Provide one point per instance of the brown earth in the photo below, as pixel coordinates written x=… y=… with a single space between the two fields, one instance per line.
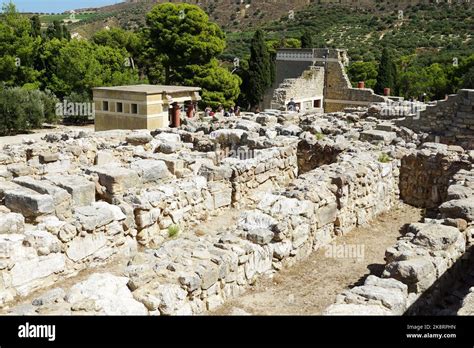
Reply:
x=312 y=285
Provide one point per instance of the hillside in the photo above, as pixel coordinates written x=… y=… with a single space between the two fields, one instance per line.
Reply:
x=361 y=27
x=423 y=29
x=229 y=14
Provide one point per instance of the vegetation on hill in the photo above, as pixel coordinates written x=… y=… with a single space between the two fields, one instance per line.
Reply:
x=432 y=45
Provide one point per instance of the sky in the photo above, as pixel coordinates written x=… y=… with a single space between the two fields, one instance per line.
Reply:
x=57 y=6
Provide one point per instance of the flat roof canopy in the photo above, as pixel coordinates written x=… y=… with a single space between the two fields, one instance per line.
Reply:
x=150 y=89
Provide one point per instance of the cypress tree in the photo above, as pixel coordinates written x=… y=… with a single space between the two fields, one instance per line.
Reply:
x=260 y=70
x=307 y=40
x=387 y=76
x=35 y=26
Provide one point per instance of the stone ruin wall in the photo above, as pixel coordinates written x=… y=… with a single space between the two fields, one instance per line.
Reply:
x=448 y=121
x=296 y=64
x=425 y=176
x=120 y=191
x=339 y=93
x=309 y=85
x=428 y=259
x=108 y=202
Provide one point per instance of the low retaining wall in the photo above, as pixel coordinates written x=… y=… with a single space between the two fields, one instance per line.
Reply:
x=425 y=262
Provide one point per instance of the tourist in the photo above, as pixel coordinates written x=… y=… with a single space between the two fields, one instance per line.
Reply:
x=220 y=110
x=237 y=111
x=291 y=105
x=207 y=111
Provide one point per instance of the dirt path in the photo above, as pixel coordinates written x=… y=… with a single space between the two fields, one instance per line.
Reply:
x=39 y=133
x=311 y=285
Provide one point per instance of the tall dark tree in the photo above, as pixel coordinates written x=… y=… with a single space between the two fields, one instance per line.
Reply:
x=35 y=26
x=260 y=70
x=387 y=75
x=468 y=79
x=56 y=30
x=183 y=35
x=66 y=33
x=307 y=40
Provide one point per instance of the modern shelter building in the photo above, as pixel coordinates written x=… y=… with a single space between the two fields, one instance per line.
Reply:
x=140 y=106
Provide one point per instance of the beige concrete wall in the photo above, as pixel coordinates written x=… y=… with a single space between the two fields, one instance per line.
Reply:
x=152 y=114
x=116 y=121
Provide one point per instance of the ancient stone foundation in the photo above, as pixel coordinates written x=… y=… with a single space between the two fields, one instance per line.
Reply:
x=182 y=220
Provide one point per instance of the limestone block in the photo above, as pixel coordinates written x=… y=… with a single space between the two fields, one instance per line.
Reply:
x=151 y=170
x=29 y=203
x=116 y=179
x=97 y=215
x=108 y=294
x=27 y=273
x=81 y=189
x=80 y=248
x=459 y=208
x=139 y=138
x=260 y=236
x=62 y=199
x=378 y=135
x=11 y=223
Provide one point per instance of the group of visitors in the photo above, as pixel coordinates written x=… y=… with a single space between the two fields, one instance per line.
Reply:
x=222 y=112
x=292 y=106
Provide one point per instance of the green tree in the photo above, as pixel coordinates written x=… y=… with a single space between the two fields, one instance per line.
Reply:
x=145 y=58
x=387 y=73
x=218 y=85
x=438 y=86
x=363 y=71
x=22 y=109
x=259 y=72
x=18 y=49
x=119 y=38
x=35 y=26
x=182 y=35
x=468 y=79
x=55 y=30
x=307 y=40
x=79 y=65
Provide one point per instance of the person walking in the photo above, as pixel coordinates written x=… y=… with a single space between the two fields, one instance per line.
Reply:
x=291 y=105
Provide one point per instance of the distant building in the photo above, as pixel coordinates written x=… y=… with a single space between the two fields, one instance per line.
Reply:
x=315 y=79
x=139 y=106
x=76 y=36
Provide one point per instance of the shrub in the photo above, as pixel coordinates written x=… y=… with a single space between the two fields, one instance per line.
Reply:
x=173 y=231
x=319 y=136
x=22 y=109
x=384 y=158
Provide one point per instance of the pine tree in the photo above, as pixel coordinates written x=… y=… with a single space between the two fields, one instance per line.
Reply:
x=35 y=26
x=260 y=71
x=468 y=79
x=387 y=76
x=307 y=40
